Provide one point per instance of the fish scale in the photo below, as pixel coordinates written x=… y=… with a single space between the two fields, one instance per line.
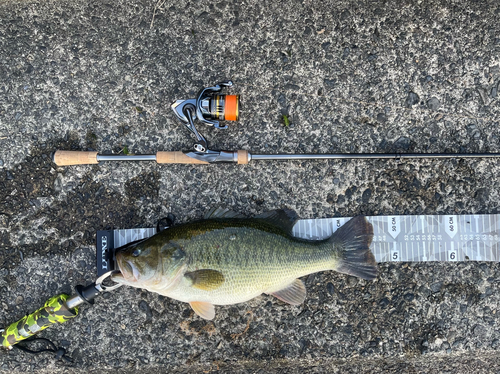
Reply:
x=249 y=272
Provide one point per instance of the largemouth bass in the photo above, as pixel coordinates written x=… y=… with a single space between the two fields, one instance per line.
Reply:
x=228 y=259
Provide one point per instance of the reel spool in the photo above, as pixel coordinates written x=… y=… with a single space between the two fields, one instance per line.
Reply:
x=221 y=107
x=209 y=107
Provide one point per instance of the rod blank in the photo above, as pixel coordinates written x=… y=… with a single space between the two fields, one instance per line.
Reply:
x=397 y=156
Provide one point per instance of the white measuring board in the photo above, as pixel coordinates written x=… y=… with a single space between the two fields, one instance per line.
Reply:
x=419 y=238
x=125 y=236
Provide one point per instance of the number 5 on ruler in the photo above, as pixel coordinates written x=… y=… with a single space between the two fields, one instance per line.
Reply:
x=395 y=255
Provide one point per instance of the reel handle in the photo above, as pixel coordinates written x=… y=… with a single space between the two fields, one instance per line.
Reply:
x=66 y=158
x=54 y=311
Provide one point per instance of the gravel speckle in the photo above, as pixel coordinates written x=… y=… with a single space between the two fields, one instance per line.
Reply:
x=412 y=99
x=366 y=195
x=381 y=117
x=436 y=287
x=433 y=103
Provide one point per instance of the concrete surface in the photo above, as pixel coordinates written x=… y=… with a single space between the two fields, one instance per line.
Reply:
x=352 y=76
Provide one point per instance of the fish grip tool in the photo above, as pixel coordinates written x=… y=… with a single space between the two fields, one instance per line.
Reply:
x=63 y=307
x=57 y=309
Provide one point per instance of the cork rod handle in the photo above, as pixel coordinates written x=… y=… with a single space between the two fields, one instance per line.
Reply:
x=176 y=158
x=65 y=158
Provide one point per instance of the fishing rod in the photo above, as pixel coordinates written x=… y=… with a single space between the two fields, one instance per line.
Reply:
x=209 y=108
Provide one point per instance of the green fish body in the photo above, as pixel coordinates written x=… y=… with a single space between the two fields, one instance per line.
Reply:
x=226 y=259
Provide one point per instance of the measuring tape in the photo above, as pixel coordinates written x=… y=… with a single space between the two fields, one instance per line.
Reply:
x=421 y=238
x=417 y=238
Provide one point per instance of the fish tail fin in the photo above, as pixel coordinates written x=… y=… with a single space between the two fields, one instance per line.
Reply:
x=353 y=241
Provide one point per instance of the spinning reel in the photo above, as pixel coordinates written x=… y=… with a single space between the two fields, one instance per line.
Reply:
x=209 y=108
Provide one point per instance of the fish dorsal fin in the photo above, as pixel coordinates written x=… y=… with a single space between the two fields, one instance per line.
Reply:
x=293 y=294
x=222 y=213
x=203 y=309
x=282 y=218
x=205 y=279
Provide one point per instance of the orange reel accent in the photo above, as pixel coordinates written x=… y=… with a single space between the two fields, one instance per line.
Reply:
x=231 y=110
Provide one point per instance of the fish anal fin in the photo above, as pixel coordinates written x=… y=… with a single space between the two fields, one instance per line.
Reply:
x=293 y=294
x=203 y=309
x=205 y=279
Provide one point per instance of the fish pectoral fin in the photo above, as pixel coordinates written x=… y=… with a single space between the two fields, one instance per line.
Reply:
x=203 y=309
x=205 y=279
x=294 y=293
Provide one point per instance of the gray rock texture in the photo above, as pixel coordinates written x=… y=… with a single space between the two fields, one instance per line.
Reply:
x=351 y=76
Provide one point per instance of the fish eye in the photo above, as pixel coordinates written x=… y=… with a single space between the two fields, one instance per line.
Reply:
x=136 y=253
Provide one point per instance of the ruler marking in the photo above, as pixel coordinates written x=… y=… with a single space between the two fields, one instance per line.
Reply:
x=406 y=230
x=380 y=250
x=436 y=237
x=489 y=236
x=495 y=224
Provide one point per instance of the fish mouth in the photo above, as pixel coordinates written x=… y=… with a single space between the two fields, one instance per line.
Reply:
x=118 y=278
x=128 y=271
